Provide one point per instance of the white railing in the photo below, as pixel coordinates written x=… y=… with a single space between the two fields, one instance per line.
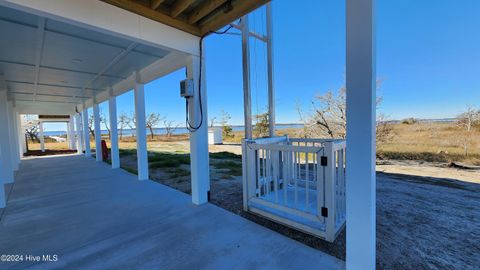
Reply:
x=297 y=182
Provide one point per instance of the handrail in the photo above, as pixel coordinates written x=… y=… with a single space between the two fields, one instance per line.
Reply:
x=285 y=147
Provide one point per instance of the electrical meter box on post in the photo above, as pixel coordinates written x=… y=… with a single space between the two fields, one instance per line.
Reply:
x=186 y=88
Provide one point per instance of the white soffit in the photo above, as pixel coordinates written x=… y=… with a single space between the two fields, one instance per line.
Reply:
x=47 y=62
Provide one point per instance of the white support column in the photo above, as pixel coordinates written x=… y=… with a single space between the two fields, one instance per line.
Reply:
x=69 y=142
x=141 y=129
x=271 y=87
x=115 y=157
x=78 y=132
x=247 y=98
x=81 y=133
x=16 y=135
x=13 y=137
x=40 y=134
x=71 y=128
x=98 y=134
x=361 y=107
x=6 y=170
x=86 y=133
x=21 y=135
x=197 y=110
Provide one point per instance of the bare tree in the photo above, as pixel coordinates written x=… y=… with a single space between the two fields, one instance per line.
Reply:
x=123 y=120
x=90 y=125
x=226 y=127
x=152 y=121
x=467 y=121
x=212 y=121
x=328 y=118
x=104 y=121
x=170 y=126
x=31 y=128
x=261 y=125
x=384 y=129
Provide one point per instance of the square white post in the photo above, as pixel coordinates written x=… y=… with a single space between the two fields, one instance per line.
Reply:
x=361 y=107
x=247 y=97
x=98 y=134
x=86 y=133
x=112 y=107
x=21 y=135
x=69 y=142
x=13 y=137
x=199 y=163
x=16 y=132
x=71 y=129
x=40 y=134
x=141 y=130
x=6 y=170
x=78 y=132
x=271 y=87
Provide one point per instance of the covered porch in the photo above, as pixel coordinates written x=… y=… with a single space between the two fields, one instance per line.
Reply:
x=65 y=58
x=110 y=219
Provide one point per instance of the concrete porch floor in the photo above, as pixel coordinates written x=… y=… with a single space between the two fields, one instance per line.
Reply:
x=94 y=217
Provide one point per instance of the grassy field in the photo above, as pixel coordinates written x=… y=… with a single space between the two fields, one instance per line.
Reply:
x=432 y=142
x=437 y=142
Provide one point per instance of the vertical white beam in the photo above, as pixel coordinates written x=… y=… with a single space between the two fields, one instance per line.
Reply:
x=98 y=132
x=197 y=110
x=115 y=157
x=86 y=133
x=73 y=144
x=15 y=133
x=69 y=142
x=247 y=98
x=361 y=106
x=13 y=137
x=40 y=134
x=271 y=87
x=5 y=141
x=141 y=130
x=78 y=132
x=21 y=135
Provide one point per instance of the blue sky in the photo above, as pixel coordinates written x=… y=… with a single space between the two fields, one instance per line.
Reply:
x=428 y=59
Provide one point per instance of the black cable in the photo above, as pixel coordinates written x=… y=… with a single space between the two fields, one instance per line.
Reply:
x=188 y=124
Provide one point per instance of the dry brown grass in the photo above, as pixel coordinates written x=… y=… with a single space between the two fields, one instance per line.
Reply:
x=442 y=142
x=436 y=142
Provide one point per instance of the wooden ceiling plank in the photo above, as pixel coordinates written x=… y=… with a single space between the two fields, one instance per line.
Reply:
x=240 y=8
x=156 y=3
x=203 y=10
x=179 y=6
x=147 y=12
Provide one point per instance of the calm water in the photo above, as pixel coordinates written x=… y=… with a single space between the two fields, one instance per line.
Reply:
x=180 y=130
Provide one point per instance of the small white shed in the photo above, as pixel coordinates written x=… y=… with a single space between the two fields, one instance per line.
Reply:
x=215 y=135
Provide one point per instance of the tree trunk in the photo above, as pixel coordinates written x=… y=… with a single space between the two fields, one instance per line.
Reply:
x=151 y=131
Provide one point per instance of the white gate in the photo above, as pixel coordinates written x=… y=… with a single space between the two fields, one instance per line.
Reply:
x=297 y=182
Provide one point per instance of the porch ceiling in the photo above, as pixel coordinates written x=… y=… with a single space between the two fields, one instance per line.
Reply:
x=197 y=17
x=48 y=61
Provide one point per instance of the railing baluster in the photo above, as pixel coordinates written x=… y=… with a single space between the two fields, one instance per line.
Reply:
x=285 y=185
x=259 y=176
x=307 y=182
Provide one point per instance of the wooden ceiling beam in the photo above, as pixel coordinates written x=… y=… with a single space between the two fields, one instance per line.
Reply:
x=147 y=12
x=179 y=6
x=203 y=10
x=154 y=4
x=239 y=9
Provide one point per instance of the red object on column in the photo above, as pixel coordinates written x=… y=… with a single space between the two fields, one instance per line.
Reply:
x=104 y=150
